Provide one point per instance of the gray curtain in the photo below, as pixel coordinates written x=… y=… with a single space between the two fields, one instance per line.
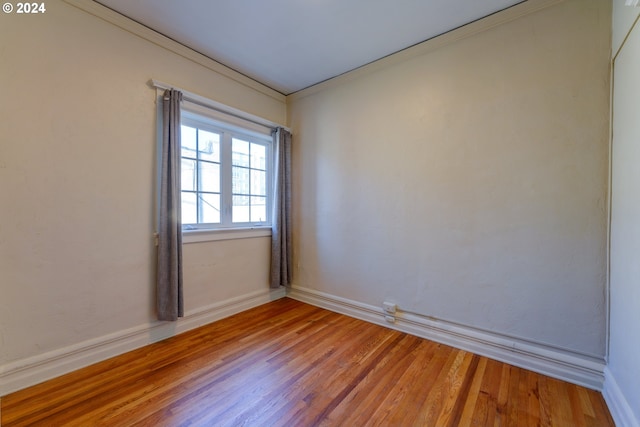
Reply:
x=169 y=301
x=281 y=264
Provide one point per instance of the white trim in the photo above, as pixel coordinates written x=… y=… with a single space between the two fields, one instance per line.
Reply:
x=208 y=116
x=510 y=14
x=491 y=21
x=619 y=406
x=209 y=235
x=121 y=21
x=217 y=106
x=33 y=370
x=559 y=363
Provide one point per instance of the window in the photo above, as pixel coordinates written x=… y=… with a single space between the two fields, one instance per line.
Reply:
x=225 y=171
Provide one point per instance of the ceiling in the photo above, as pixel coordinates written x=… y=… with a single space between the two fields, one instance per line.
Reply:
x=289 y=45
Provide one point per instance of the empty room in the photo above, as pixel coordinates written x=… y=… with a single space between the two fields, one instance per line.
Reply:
x=319 y=212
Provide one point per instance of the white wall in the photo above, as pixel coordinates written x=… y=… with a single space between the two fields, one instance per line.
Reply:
x=77 y=184
x=623 y=19
x=623 y=380
x=468 y=183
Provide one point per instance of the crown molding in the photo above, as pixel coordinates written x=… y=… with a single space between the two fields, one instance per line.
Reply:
x=510 y=14
x=135 y=28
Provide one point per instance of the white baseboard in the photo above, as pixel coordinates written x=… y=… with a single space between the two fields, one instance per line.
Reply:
x=559 y=363
x=27 y=372
x=619 y=406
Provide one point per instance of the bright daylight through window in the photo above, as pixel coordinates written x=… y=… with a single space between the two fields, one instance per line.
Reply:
x=225 y=174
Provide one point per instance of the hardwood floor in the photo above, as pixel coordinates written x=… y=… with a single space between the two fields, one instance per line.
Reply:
x=287 y=363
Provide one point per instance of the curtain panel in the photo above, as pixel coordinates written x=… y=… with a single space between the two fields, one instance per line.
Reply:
x=169 y=298
x=281 y=255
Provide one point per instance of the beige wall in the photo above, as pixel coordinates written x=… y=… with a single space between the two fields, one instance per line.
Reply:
x=77 y=183
x=468 y=183
x=622 y=385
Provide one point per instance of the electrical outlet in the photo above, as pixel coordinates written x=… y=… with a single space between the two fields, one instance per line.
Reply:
x=390 y=319
x=389 y=307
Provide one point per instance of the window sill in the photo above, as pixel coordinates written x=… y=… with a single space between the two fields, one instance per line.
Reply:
x=196 y=236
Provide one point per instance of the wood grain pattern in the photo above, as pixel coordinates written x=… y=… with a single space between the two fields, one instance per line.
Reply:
x=287 y=363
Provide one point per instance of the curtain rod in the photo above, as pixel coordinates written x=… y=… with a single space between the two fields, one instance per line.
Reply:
x=206 y=102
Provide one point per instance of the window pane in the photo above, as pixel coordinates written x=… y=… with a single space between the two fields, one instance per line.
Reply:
x=258 y=156
x=188 y=174
x=240 y=209
x=208 y=146
x=240 y=180
x=258 y=182
x=210 y=205
x=189 y=208
x=240 y=152
x=188 y=141
x=213 y=155
x=209 y=177
x=258 y=209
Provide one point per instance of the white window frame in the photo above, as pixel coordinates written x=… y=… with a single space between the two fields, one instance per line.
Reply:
x=229 y=126
x=232 y=116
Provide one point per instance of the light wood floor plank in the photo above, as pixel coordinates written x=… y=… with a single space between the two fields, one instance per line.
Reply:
x=471 y=404
x=287 y=363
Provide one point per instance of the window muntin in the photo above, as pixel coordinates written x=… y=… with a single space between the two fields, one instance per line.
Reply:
x=200 y=176
x=249 y=181
x=226 y=175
